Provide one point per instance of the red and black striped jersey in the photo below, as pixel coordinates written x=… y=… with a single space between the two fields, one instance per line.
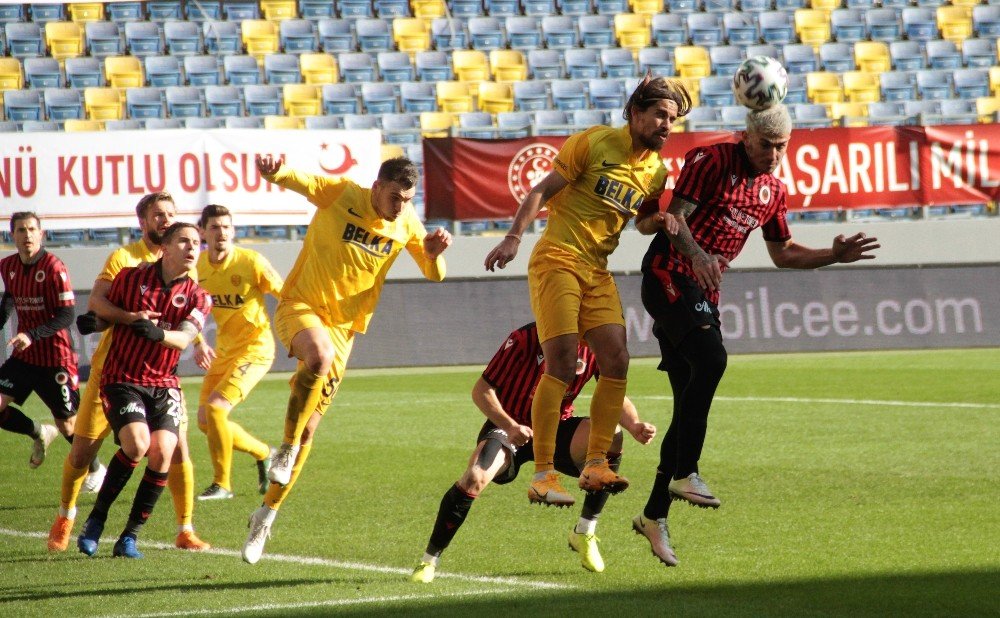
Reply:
x=519 y=363
x=37 y=291
x=731 y=202
x=136 y=360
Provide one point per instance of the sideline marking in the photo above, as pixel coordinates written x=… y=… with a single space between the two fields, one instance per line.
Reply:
x=859 y=402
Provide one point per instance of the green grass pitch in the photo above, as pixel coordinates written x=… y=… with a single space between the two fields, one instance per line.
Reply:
x=852 y=484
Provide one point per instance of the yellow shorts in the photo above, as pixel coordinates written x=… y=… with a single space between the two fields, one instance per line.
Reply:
x=90 y=420
x=291 y=318
x=234 y=377
x=569 y=295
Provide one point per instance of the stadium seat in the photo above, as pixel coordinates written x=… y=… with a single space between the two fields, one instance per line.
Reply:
x=705 y=29
x=837 y=57
x=766 y=49
x=513 y=125
x=719 y=6
x=552 y=122
x=160 y=11
x=995 y=80
x=103 y=103
x=429 y=9
x=586 y=118
x=144 y=103
x=183 y=38
x=322 y=122
x=717 y=91
x=618 y=62
x=981 y=53
x=184 y=102
x=433 y=66
x=907 y=56
x=800 y=58
x=395 y=67
x=508 y=65
x=884 y=24
x=283 y=123
x=595 y=31
x=740 y=27
x=411 y=34
x=37 y=126
x=75 y=126
x=279 y=10
x=898 y=86
x=496 y=97
x=470 y=65
x=777 y=27
x=971 y=83
x=64 y=39
x=262 y=100
x=157 y=124
x=538 y=8
x=943 y=54
x=545 y=64
x=11 y=74
x=354 y=9
x=790 y=5
x=162 y=71
x=632 y=31
x=560 y=32
x=568 y=95
x=42 y=13
x=379 y=98
x=336 y=35
x=669 y=30
x=436 y=124
x=872 y=56
x=391 y=9
x=920 y=24
x=531 y=95
x=861 y=87
x=297 y=36
x=611 y=7
x=143 y=39
x=954 y=23
x=12 y=13
x=606 y=94
x=582 y=63
x=340 y=99
x=886 y=113
x=21 y=105
x=524 y=33
x=810 y=115
x=988 y=109
x=204 y=123
x=240 y=10
x=223 y=101
x=986 y=20
x=241 y=70
x=692 y=61
x=356 y=67
x=222 y=37
x=734 y=117
x=24 y=40
x=448 y=34
x=38 y=72
x=917 y=112
x=683 y=6
x=849 y=114
x=84 y=72
x=657 y=60
x=302 y=100
x=130 y=124
x=959 y=111
x=824 y=87
x=204 y=70
x=934 y=84
x=454 y=97
x=486 y=33
x=260 y=38
x=103 y=39
x=703 y=119
x=123 y=72
x=812 y=26
x=416 y=97
x=200 y=12
x=797 y=90
x=848 y=25
x=401 y=129
x=503 y=8
x=476 y=125
x=318 y=68
x=282 y=69
x=374 y=34
x=464 y=9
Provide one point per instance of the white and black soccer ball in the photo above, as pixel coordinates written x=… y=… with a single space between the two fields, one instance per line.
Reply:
x=760 y=82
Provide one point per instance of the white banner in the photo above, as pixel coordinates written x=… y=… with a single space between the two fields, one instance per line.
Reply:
x=93 y=180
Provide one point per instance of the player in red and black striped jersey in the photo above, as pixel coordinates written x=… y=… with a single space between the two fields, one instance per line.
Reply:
x=504 y=394
x=140 y=390
x=723 y=193
x=37 y=287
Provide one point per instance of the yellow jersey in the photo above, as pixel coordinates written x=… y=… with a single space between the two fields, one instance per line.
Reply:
x=606 y=186
x=238 y=285
x=348 y=250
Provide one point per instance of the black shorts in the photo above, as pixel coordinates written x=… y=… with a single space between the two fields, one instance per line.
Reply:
x=57 y=387
x=523 y=454
x=677 y=305
x=160 y=408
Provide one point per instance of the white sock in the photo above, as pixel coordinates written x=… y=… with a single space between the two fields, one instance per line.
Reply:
x=185 y=528
x=67 y=513
x=435 y=560
x=586 y=526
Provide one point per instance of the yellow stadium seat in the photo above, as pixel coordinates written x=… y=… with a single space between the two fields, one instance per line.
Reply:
x=64 y=39
x=103 y=103
x=849 y=114
x=74 y=125
x=988 y=109
x=995 y=80
x=812 y=26
x=277 y=10
x=302 y=100
x=260 y=38
x=392 y=151
x=429 y=9
x=411 y=34
x=969 y=3
x=470 y=65
x=632 y=31
x=454 y=97
x=82 y=12
x=646 y=8
x=692 y=61
x=496 y=97
x=872 y=56
x=823 y=87
x=283 y=122
x=123 y=72
x=436 y=124
x=508 y=65
x=862 y=87
x=955 y=23
x=825 y=5
x=692 y=85
x=11 y=74
x=318 y=68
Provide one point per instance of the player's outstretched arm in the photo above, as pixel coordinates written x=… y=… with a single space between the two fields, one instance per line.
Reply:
x=653 y=222
x=503 y=253
x=845 y=250
x=309 y=185
x=642 y=432
x=485 y=398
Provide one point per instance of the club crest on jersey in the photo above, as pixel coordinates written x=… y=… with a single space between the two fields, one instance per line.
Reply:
x=368 y=242
x=179 y=300
x=765 y=194
x=40 y=276
x=236 y=280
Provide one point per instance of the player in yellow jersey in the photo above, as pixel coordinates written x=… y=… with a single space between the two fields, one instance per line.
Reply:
x=238 y=279
x=156 y=212
x=600 y=178
x=330 y=295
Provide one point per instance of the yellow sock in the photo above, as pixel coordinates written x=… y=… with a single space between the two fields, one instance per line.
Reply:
x=276 y=494
x=605 y=410
x=545 y=420
x=307 y=390
x=246 y=443
x=72 y=481
x=220 y=443
x=180 y=481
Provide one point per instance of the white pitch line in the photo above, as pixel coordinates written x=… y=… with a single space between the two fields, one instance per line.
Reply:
x=337 y=564
x=853 y=402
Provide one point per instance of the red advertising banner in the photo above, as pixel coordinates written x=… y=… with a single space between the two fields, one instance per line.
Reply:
x=824 y=169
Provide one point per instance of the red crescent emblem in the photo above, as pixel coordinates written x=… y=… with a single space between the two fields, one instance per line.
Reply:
x=348 y=163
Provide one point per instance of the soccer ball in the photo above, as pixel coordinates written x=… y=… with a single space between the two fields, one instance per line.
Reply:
x=760 y=82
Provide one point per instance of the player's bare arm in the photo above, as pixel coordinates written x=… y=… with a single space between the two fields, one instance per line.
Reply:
x=845 y=250
x=503 y=253
x=642 y=431
x=485 y=398
x=182 y=337
x=707 y=268
x=204 y=354
x=267 y=165
x=19 y=342
x=651 y=223
x=436 y=242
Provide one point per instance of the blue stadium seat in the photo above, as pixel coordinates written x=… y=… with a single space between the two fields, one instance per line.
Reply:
x=756 y=6
x=585 y=118
x=416 y=97
x=103 y=39
x=156 y=124
x=142 y=38
x=282 y=69
x=356 y=67
x=920 y=23
x=297 y=36
x=959 y=111
x=538 y=8
x=184 y=102
x=907 y=56
x=223 y=101
x=465 y=9
x=316 y=10
x=574 y=8
x=395 y=67
x=942 y=54
x=886 y=113
x=777 y=27
x=12 y=13
x=513 y=125
x=340 y=99
x=725 y=59
x=716 y=91
x=204 y=123
x=160 y=11
x=183 y=38
x=798 y=92
x=764 y=49
x=24 y=40
x=360 y=122
x=84 y=72
x=144 y=103
x=979 y=52
x=532 y=95
x=658 y=60
x=835 y=57
x=705 y=29
x=222 y=37
x=43 y=73
x=552 y=122
x=524 y=33
x=719 y=6
x=379 y=98
x=250 y=122
x=449 y=34
x=800 y=58
x=263 y=100
x=374 y=34
x=336 y=35
x=884 y=24
x=401 y=129
x=848 y=25
x=36 y=126
x=703 y=118
x=163 y=71
x=502 y=8
x=971 y=83
x=324 y=122
x=920 y=112
x=238 y=10
x=560 y=32
x=354 y=9
x=392 y=8
x=42 y=13
x=934 y=84
x=582 y=63
x=898 y=86
x=618 y=62
x=204 y=70
x=486 y=33
x=65 y=237
x=790 y=5
x=669 y=30
x=986 y=20
x=109 y=235
x=544 y=64
x=433 y=66
x=240 y=70
x=683 y=6
x=810 y=115
x=596 y=31
x=568 y=94
x=606 y=93
x=203 y=11
x=860 y=4
x=63 y=104
x=741 y=28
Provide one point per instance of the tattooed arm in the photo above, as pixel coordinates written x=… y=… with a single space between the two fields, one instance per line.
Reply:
x=707 y=268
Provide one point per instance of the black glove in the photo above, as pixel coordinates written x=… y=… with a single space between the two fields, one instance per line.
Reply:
x=146 y=328
x=86 y=323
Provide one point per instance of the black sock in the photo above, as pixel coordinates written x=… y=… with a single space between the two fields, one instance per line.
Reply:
x=454 y=508
x=15 y=421
x=149 y=491
x=594 y=502
x=658 y=505
x=95 y=464
x=119 y=472
x=69 y=438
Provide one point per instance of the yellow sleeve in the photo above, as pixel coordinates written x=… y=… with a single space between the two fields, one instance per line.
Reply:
x=434 y=269
x=268 y=279
x=114 y=265
x=572 y=158
x=320 y=190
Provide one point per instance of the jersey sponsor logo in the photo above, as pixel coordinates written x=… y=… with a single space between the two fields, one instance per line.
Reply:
x=235 y=280
x=133 y=407
x=179 y=300
x=368 y=242
x=623 y=198
x=740 y=220
x=703 y=307
x=228 y=301
x=40 y=276
x=765 y=194
x=4 y=382
x=529 y=166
